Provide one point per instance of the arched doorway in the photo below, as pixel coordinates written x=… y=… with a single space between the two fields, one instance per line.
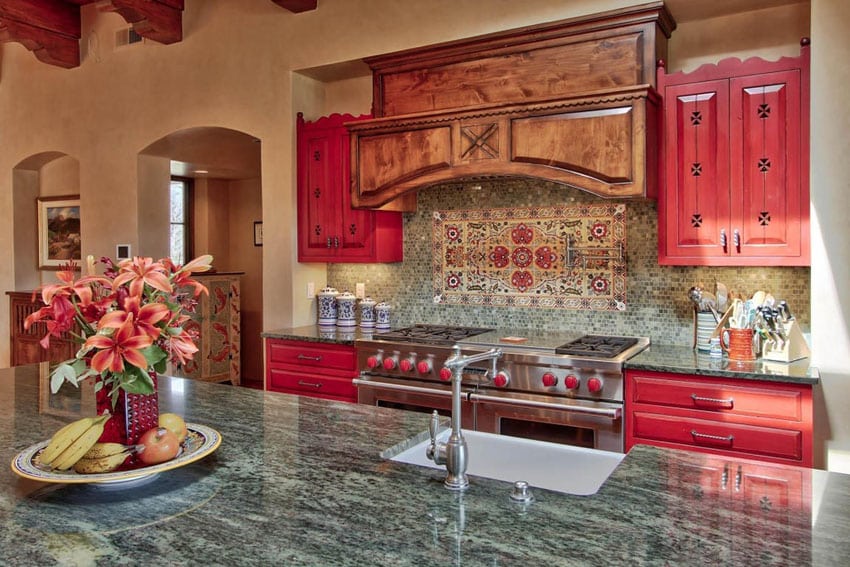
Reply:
x=222 y=167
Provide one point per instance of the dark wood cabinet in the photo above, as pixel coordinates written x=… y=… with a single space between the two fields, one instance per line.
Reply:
x=768 y=421
x=317 y=370
x=329 y=229
x=24 y=345
x=736 y=155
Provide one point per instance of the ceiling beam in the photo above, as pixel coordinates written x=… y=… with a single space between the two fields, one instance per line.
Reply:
x=48 y=28
x=159 y=20
x=297 y=5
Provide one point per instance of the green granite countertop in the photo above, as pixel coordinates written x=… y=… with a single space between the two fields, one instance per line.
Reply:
x=299 y=481
x=685 y=360
x=316 y=334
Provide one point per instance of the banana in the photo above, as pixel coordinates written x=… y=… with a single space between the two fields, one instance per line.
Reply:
x=81 y=445
x=100 y=450
x=104 y=464
x=63 y=438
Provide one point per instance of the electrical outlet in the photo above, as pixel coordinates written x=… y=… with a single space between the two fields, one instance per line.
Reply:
x=360 y=290
x=311 y=290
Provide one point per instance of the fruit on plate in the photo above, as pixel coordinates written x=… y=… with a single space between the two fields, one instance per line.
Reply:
x=103 y=458
x=175 y=424
x=69 y=444
x=157 y=445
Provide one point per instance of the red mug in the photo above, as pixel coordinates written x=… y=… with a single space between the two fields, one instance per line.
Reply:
x=738 y=343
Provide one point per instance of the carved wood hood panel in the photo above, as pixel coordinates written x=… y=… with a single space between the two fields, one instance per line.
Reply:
x=570 y=101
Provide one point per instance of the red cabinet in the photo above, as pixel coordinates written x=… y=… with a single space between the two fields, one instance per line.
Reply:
x=319 y=370
x=736 y=154
x=769 y=421
x=329 y=229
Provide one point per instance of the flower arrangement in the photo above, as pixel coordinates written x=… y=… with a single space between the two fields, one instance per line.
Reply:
x=130 y=320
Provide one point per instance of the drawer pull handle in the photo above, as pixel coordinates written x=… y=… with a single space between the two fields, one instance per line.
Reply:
x=311 y=384
x=717 y=401
x=305 y=357
x=727 y=439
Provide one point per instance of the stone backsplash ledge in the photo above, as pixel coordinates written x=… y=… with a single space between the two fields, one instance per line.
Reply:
x=657 y=303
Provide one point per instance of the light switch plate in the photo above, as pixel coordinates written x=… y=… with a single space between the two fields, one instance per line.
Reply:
x=311 y=290
x=122 y=252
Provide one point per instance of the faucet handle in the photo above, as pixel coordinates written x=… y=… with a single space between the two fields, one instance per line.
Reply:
x=434 y=426
x=435 y=452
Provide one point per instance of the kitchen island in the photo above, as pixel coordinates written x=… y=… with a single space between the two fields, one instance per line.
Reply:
x=299 y=481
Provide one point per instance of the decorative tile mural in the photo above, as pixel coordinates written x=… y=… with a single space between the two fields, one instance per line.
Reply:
x=561 y=256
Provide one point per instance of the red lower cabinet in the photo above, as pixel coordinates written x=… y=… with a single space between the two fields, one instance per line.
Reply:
x=767 y=421
x=318 y=370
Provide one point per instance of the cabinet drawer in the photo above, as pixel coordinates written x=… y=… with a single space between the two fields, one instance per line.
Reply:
x=311 y=385
x=776 y=401
x=713 y=435
x=311 y=355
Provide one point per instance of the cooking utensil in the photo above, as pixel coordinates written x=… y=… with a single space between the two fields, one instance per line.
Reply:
x=737 y=319
x=758 y=297
x=721 y=292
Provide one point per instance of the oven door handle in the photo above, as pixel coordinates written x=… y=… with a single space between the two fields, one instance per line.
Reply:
x=401 y=387
x=612 y=413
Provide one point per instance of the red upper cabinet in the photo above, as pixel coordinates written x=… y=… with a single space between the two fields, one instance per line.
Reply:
x=736 y=152
x=329 y=229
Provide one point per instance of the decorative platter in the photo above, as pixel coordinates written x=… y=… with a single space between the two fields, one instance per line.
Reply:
x=200 y=442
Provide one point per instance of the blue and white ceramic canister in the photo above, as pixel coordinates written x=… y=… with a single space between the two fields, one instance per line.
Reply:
x=327 y=307
x=345 y=308
x=382 y=316
x=367 y=313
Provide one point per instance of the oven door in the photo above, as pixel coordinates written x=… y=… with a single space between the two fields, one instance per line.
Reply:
x=596 y=425
x=411 y=395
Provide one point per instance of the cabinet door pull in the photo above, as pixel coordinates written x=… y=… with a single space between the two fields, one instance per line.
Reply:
x=311 y=384
x=736 y=239
x=330 y=242
x=306 y=357
x=730 y=402
x=723 y=239
x=738 y=479
x=336 y=241
x=697 y=435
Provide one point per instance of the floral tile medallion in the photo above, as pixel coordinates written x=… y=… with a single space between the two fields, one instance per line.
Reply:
x=559 y=257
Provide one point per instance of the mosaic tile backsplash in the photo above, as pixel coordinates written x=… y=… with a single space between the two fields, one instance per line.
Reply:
x=657 y=306
x=564 y=257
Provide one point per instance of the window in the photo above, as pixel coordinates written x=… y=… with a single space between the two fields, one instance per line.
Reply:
x=180 y=238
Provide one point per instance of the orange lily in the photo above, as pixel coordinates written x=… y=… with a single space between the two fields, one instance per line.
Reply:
x=144 y=317
x=141 y=271
x=123 y=345
x=181 y=347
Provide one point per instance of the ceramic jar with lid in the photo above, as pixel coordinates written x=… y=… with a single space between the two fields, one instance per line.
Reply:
x=367 y=313
x=327 y=307
x=345 y=308
x=382 y=316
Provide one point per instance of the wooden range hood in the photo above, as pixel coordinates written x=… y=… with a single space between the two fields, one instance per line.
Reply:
x=570 y=101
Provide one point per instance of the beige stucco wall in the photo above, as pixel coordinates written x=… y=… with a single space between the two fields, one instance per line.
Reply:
x=830 y=186
x=237 y=68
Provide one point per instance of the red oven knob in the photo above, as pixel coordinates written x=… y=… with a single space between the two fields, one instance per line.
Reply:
x=502 y=379
x=424 y=367
x=550 y=380
x=571 y=382
x=594 y=385
x=445 y=374
x=372 y=362
x=389 y=364
x=406 y=365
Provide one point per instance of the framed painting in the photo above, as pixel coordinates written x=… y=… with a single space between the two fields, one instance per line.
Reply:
x=58 y=231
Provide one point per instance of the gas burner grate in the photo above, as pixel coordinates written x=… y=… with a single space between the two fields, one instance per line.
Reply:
x=597 y=346
x=431 y=334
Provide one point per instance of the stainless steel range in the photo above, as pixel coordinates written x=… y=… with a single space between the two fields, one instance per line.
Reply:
x=560 y=387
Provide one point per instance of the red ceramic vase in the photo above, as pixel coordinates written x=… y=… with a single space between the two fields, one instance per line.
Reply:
x=132 y=415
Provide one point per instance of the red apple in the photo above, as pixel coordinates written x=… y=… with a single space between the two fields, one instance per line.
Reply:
x=157 y=446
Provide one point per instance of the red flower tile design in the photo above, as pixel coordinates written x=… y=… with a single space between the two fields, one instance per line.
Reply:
x=518 y=257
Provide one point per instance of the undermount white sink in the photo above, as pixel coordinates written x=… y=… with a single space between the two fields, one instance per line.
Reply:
x=562 y=468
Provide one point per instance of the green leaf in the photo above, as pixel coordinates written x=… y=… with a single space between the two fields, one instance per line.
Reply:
x=64 y=372
x=153 y=354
